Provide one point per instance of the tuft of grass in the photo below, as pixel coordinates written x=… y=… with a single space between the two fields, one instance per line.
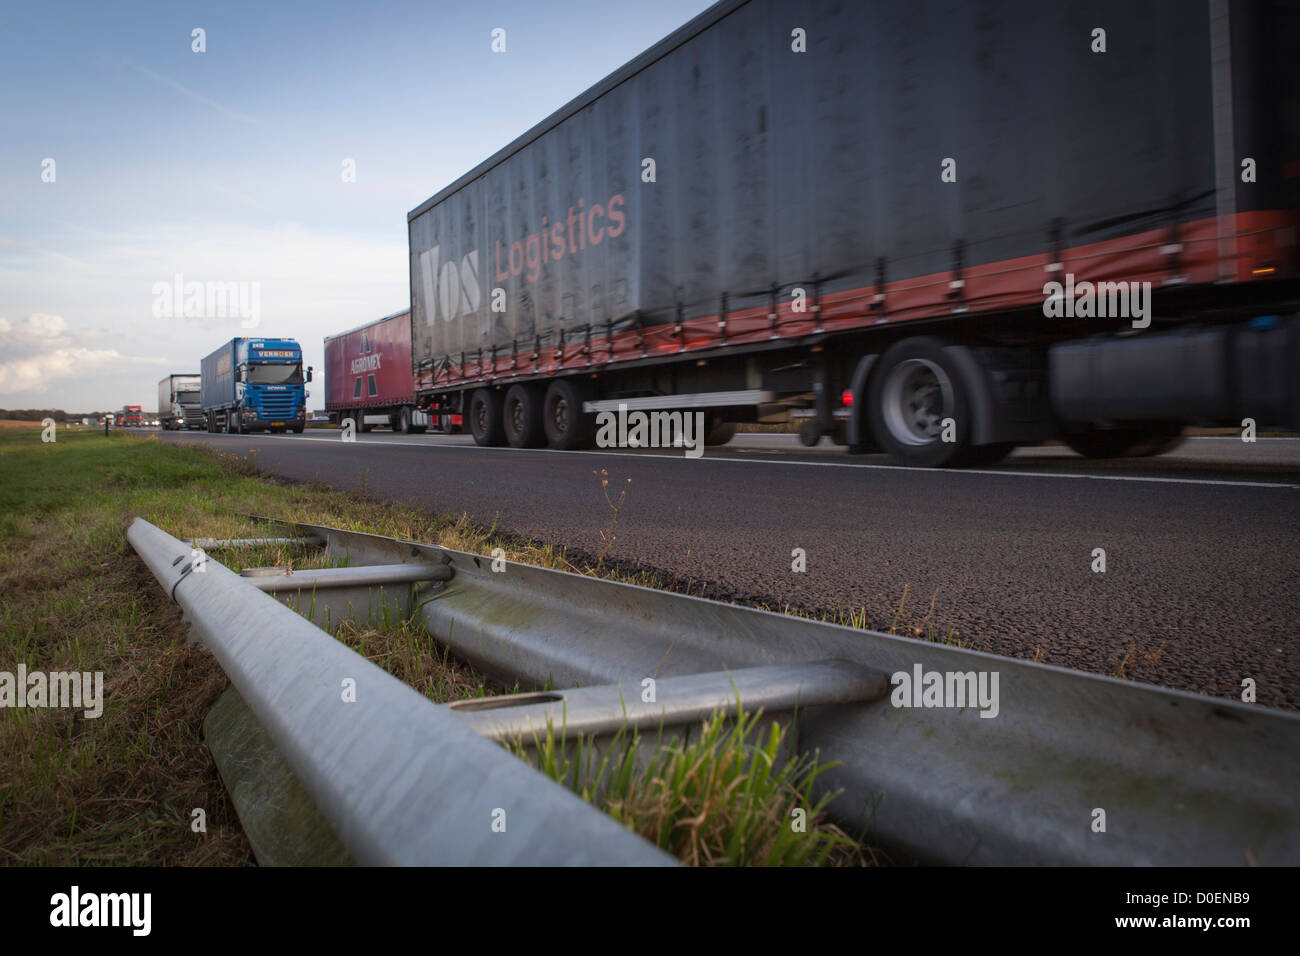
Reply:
x=729 y=797
x=861 y=619
x=1135 y=660
x=404 y=649
x=607 y=535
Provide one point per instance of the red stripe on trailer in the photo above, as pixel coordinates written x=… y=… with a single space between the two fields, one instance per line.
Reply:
x=1203 y=252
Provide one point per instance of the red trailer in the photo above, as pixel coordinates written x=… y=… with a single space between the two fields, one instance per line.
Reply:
x=368 y=375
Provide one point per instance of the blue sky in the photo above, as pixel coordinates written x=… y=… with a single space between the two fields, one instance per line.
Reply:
x=225 y=166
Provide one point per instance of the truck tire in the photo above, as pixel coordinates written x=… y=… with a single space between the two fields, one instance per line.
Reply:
x=981 y=456
x=297 y=429
x=1125 y=441
x=485 y=417
x=719 y=432
x=403 y=421
x=236 y=426
x=810 y=433
x=914 y=387
x=568 y=427
x=416 y=429
x=360 y=417
x=523 y=417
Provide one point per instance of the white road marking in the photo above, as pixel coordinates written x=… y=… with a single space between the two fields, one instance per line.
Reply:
x=770 y=461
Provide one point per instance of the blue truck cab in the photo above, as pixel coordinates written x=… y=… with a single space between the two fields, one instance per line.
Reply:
x=254 y=385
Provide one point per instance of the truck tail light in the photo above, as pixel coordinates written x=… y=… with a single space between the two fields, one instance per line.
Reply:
x=846 y=398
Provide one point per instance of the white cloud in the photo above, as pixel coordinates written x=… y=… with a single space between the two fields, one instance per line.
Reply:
x=41 y=353
x=35 y=330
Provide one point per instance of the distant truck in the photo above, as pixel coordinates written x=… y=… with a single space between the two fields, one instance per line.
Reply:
x=254 y=385
x=368 y=378
x=178 y=402
x=131 y=416
x=944 y=231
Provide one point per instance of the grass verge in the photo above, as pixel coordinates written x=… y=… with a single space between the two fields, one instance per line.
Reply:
x=119 y=789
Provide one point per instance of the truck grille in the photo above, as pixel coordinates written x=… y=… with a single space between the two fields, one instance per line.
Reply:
x=278 y=406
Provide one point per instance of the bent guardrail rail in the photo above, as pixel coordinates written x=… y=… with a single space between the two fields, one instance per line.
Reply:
x=400 y=780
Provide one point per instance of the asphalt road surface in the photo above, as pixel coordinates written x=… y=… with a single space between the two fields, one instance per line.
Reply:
x=1201 y=588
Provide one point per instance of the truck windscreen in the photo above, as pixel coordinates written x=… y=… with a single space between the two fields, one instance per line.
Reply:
x=274 y=374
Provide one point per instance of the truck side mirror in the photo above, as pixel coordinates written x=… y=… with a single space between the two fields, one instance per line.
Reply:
x=309 y=373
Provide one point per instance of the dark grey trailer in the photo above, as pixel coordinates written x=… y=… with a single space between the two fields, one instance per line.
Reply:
x=924 y=227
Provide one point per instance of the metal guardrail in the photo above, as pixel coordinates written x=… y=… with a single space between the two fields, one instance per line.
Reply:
x=680 y=701
x=400 y=780
x=1073 y=768
x=282 y=579
x=213 y=544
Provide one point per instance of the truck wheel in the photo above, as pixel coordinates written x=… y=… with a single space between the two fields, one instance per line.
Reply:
x=297 y=429
x=809 y=433
x=1125 y=441
x=568 y=427
x=914 y=388
x=523 y=417
x=415 y=429
x=719 y=432
x=360 y=417
x=404 y=421
x=485 y=417
x=981 y=456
